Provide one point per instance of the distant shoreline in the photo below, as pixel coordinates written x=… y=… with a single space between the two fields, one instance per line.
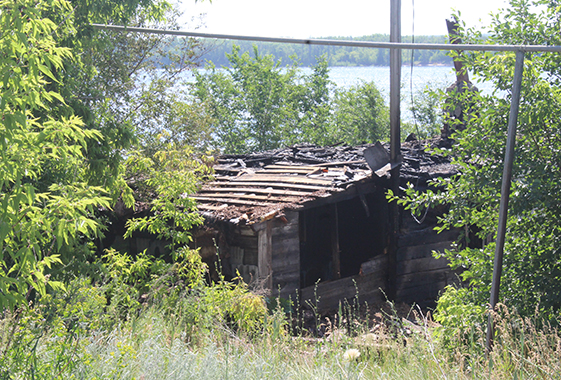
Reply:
x=403 y=65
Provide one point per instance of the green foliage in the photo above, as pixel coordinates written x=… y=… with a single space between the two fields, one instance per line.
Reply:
x=168 y=178
x=73 y=333
x=257 y=104
x=38 y=219
x=234 y=305
x=44 y=341
x=532 y=271
x=360 y=115
x=130 y=96
x=427 y=110
x=118 y=77
x=179 y=289
x=254 y=103
x=460 y=316
x=166 y=116
x=129 y=281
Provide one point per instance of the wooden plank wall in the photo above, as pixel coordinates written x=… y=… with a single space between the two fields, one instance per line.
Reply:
x=286 y=255
x=420 y=276
x=242 y=250
x=327 y=295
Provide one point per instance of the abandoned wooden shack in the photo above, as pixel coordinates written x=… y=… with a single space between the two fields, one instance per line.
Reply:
x=314 y=221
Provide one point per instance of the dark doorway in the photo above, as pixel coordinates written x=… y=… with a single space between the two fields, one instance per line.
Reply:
x=336 y=239
x=363 y=228
x=316 y=261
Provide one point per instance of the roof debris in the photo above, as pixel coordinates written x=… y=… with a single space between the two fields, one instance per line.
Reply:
x=250 y=188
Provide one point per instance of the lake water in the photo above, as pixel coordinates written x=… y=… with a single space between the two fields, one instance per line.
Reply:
x=435 y=77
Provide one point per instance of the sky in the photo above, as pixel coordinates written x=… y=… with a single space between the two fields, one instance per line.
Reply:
x=323 y=18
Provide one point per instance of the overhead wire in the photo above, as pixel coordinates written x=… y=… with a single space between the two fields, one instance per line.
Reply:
x=413 y=109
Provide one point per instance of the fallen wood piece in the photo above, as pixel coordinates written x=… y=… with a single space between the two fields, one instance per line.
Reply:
x=341 y=163
x=283 y=179
x=377 y=264
x=294 y=170
x=256 y=190
x=235 y=201
x=212 y=197
x=271 y=184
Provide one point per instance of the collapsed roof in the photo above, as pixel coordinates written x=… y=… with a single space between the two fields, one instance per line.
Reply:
x=250 y=188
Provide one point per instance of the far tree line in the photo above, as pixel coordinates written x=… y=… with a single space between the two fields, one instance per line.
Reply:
x=334 y=55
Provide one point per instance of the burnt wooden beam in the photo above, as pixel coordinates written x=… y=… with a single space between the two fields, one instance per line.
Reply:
x=234 y=201
x=211 y=197
x=426 y=236
x=212 y=207
x=286 y=171
x=251 y=190
x=340 y=163
x=454 y=36
x=332 y=293
x=377 y=264
x=281 y=165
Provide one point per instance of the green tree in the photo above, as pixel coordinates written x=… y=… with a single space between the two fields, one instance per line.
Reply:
x=257 y=104
x=314 y=99
x=427 y=110
x=124 y=84
x=360 y=115
x=67 y=96
x=532 y=270
x=37 y=222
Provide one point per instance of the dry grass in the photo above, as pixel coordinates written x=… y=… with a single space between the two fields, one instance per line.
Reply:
x=153 y=345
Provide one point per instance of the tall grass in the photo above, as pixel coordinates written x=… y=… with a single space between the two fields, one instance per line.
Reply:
x=78 y=339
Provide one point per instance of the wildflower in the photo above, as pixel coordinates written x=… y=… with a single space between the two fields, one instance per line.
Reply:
x=351 y=354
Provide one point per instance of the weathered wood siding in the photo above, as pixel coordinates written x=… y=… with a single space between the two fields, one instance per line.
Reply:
x=240 y=250
x=286 y=255
x=420 y=276
x=366 y=286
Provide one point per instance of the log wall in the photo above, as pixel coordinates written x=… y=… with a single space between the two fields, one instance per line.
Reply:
x=420 y=276
x=366 y=287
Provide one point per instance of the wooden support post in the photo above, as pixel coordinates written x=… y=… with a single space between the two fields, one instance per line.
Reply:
x=265 y=254
x=335 y=242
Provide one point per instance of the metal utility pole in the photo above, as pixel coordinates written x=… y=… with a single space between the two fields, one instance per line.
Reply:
x=395 y=139
x=505 y=192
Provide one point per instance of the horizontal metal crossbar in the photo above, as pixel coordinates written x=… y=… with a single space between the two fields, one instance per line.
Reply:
x=325 y=42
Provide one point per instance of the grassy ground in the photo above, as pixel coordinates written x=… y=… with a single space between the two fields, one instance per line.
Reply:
x=225 y=332
x=154 y=345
